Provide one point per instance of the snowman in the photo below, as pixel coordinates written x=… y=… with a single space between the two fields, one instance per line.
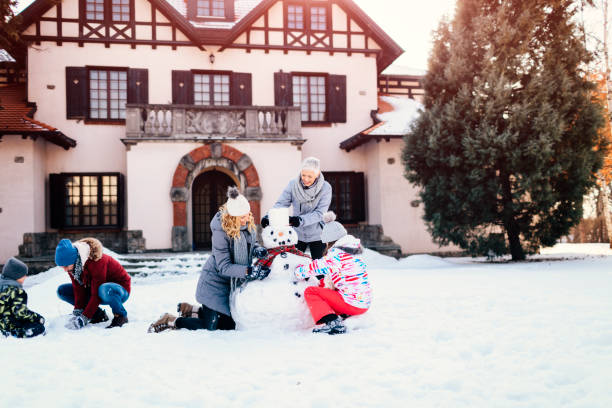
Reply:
x=277 y=301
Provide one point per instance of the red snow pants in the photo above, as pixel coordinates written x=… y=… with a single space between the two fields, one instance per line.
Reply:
x=323 y=301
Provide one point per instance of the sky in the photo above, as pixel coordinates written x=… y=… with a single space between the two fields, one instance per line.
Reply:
x=409 y=22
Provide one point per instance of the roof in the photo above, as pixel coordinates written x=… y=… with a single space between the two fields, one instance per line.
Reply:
x=17 y=118
x=5 y=56
x=246 y=12
x=392 y=120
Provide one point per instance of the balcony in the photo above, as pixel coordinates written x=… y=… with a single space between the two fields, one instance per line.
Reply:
x=146 y=122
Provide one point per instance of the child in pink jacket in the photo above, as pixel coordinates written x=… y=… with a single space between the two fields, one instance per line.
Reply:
x=346 y=288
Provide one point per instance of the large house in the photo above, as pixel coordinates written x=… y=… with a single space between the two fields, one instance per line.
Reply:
x=146 y=110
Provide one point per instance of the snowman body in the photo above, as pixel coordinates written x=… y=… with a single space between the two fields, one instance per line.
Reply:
x=277 y=301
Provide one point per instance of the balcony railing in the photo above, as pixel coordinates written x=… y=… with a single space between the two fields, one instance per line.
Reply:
x=193 y=122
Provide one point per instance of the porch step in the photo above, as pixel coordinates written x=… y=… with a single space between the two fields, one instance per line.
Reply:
x=372 y=237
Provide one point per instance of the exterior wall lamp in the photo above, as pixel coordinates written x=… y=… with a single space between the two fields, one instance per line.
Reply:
x=211 y=58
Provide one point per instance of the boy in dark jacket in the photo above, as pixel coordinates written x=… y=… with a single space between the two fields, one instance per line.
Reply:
x=15 y=318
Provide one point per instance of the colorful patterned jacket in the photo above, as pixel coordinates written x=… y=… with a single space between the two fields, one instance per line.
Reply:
x=273 y=252
x=14 y=309
x=348 y=272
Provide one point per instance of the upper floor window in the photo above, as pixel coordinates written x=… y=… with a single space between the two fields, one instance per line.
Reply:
x=210 y=8
x=318 y=20
x=94 y=10
x=309 y=93
x=121 y=10
x=303 y=16
x=107 y=94
x=108 y=10
x=295 y=17
x=211 y=89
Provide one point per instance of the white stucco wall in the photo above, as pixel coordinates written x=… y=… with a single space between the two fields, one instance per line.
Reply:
x=151 y=167
x=21 y=192
x=389 y=199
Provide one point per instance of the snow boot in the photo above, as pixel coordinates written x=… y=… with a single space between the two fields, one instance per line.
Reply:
x=99 y=317
x=187 y=309
x=335 y=326
x=165 y=322
x=118 y=321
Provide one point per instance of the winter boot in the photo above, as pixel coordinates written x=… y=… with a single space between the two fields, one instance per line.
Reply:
x=165 y=322
x=99 y=317
x=187 y=309
x=118 y=321
x=335 y=326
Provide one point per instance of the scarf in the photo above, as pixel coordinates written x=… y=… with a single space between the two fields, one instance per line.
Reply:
x=241 y=253
x=78 y=270
x=308 y=196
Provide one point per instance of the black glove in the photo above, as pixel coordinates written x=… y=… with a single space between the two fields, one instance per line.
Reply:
x=295 y=221
x=257 y=272
x=260 y=252
x=265 y=221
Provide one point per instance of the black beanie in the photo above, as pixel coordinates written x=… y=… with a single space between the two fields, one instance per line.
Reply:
x=14 y=269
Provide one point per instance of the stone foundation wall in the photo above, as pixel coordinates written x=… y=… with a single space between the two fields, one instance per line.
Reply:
x=40 y=244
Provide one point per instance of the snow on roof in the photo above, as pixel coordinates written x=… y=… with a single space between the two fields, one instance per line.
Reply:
x=398 y=120
x=5 y=56
x=397 y=69
x=241 y=9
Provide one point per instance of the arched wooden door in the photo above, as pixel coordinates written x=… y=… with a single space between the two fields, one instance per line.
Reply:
x=209 y=192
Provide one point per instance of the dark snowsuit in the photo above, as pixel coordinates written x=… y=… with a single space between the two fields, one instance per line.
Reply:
x=15 y=317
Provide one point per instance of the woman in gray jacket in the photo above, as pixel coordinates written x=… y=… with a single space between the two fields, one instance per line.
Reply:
x=309 y=195
x=234 y=243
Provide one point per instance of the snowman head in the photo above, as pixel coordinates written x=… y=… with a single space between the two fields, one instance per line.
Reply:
x=278 y=232
x=275 y=236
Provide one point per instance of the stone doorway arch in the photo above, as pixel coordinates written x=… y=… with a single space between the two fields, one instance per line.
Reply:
x=220 y=157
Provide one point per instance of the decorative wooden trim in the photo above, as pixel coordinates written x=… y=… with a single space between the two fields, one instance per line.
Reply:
x=153 y=25
x=59 y=22
x=81 y=41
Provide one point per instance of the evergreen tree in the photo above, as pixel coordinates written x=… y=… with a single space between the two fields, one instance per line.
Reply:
x=505 y=148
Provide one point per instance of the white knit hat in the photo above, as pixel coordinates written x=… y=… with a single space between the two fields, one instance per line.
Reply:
x=332 y=230
x=237 y=205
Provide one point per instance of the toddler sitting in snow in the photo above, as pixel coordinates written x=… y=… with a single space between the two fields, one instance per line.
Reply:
x=347 y=288
x=15 y=318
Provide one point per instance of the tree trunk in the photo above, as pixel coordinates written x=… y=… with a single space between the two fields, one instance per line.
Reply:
x=510 y=224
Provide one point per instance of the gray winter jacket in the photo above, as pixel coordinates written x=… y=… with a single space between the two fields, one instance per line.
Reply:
x=312 y=219
x=216 y=277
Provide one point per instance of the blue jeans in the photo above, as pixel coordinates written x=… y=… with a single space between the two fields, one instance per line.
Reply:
x=110 y=293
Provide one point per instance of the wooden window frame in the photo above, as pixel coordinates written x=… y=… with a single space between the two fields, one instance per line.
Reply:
x=306 y=14
x=229 y=13
x=108 y=14
x=108 y=120
x=100 y=202
x=211 y=73
x=325 y=120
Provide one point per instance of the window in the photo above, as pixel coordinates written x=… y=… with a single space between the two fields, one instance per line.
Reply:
x=211 y=89
x=121 y=10
x=348 y=195
x=317 y=18
x=210 y=8
x=88 y=200
x=295 y=17
x=309 y=94
x=107 y=94
x=94 y=10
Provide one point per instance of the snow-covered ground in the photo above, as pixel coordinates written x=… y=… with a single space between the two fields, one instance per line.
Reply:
x=441 y=333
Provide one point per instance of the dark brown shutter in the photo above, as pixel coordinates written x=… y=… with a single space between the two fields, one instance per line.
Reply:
x=283 y=89
x=182 y=87
x=241 y=89
x=57 y=200
x=76 y=92
x=120 y=200
x=336 y=99
x=138 y=86
x=358 y=196
x=192 y=9
x=229 y=9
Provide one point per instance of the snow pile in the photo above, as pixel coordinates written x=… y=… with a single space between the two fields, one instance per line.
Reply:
x=399 y=120
x=464 y=334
